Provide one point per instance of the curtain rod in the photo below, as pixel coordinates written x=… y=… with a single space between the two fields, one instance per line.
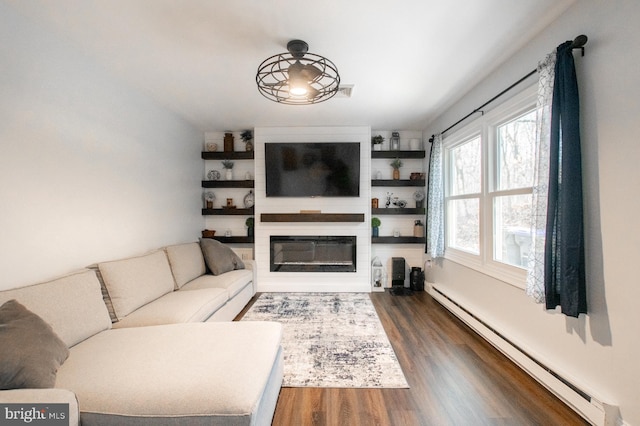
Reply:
x=578 y=43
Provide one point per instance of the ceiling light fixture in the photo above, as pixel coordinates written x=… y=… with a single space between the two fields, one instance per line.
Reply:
x=297 y=77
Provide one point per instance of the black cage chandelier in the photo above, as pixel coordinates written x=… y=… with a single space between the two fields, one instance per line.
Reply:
x=297 y=77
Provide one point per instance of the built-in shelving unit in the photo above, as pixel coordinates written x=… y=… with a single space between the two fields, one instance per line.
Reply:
x=398 y=183
x=228 y=188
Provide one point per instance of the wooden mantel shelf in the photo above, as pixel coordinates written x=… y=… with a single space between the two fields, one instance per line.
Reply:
x=312 y=217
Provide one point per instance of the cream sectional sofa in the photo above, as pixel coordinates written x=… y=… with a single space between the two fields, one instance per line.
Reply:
x=152 y=345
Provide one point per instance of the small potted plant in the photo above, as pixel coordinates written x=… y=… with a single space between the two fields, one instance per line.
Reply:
x=376 y=141
x=375 y=226
x=228 y=166
x=396 y=164
x=247 y=137
x=250 y=222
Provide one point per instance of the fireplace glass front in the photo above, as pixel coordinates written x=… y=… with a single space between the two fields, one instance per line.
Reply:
x=313 y=253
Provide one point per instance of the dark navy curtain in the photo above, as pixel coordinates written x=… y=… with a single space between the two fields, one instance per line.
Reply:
x=564 y=276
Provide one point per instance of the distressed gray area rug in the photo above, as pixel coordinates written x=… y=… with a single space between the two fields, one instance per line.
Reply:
x=331 y=340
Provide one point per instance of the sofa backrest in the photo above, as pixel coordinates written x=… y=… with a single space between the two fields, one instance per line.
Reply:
x=136 y=281
x=72 y=305
x=187 y=262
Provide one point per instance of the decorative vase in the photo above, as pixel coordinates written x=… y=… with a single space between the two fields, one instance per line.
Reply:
x=228 y=142
x=377 y=147
x=414 y=144
x=396 y=174
x=250 y=231
x=375 y=231
x=229 y=174
x=249 y=146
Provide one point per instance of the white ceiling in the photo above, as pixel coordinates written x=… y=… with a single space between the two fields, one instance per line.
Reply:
x=407 y=59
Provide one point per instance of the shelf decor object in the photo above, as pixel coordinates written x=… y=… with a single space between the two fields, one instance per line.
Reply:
x=246 y=137
x=375 y=226
x=249 y=200
x=209 y=198
x=396 y=164
x=228 y=142
x=213 y=175
x=297 y=77
x=376 y=141
x=228 y=167
x=418 y=196
x=394 y=141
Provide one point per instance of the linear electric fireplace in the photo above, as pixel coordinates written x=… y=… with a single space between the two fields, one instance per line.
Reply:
x=313 y=253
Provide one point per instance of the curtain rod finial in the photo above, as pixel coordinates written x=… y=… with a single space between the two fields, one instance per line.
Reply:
x=579 y=41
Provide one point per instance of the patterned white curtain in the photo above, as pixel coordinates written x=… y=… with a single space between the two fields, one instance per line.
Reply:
x=535 y=273
x=435 y=201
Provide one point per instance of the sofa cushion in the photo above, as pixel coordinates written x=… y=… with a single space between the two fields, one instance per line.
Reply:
x=72 y=305
x=205 y=373
x=219 y=257
x=186 y=262
x=30 y=350
x=136 y=281
x=177 y=307
x=232 y=281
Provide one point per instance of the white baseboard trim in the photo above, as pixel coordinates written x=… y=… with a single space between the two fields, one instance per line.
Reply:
x=588 y=406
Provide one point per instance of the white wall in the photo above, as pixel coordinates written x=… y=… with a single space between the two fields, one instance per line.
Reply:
x=599 y=351
x=321 y=281
x=90 y=170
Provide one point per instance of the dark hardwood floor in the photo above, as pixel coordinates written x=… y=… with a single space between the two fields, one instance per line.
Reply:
x=455 y=378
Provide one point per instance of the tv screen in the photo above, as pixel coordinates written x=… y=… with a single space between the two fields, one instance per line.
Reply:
x=316 y=169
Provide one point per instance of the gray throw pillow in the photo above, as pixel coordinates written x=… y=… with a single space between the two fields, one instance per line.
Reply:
x=218 y=257
x=30 y=351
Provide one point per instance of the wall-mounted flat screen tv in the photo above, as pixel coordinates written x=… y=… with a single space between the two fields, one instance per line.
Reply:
x=314 y=169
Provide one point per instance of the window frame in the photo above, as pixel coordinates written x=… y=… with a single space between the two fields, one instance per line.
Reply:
x=486 y=127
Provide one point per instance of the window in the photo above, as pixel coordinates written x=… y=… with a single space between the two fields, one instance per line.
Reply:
x=463 y=206
x=489 y=166
x=514 y=144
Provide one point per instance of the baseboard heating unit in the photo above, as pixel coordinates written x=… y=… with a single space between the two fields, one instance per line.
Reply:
x=587 y=405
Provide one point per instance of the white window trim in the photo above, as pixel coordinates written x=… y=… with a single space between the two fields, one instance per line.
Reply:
x=484 y=126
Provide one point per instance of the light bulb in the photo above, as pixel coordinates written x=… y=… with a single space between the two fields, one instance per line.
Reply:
x=298 y=90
